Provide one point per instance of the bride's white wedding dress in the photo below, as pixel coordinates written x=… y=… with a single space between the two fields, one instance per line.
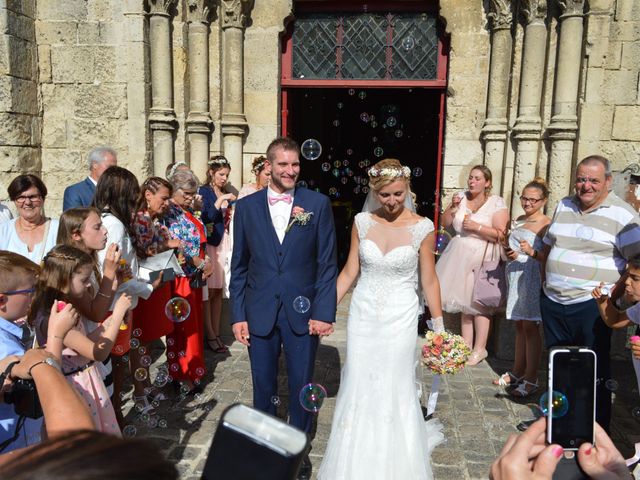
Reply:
x=378 y=429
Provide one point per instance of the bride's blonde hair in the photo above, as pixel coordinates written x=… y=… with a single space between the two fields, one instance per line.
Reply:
x=388 y=171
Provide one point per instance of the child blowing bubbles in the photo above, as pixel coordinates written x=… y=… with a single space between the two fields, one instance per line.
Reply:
x=18 y=276
x=66 y=274
x=617 y=319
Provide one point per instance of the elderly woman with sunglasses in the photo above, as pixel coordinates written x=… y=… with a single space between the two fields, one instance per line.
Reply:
x=185 y=344
x=31 y=234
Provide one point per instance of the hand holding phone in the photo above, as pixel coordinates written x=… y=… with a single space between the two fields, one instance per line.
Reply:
x=571 y=397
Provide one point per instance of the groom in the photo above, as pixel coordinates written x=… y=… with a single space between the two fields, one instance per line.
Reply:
x=283 y=280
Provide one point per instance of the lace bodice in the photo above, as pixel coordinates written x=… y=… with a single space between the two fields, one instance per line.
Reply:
x=389 y=255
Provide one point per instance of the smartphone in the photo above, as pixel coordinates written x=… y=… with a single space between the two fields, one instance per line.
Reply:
x=571 y=396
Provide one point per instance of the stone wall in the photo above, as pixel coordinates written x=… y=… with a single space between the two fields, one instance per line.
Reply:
x=94 y=87
x=20 y=117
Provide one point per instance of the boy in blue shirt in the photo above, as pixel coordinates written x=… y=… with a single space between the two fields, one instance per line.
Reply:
x=18 y=277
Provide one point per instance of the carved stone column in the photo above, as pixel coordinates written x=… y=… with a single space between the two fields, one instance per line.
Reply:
x=234 y=123
x=162 y=117
x=494 y=130
x=528 y=126
x=564 y=120
x=199 y=123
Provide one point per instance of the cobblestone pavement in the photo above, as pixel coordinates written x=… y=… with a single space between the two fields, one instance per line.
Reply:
x=477 y=416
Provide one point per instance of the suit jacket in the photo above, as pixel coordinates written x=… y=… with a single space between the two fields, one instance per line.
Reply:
x=267 y=275
x=78 y=195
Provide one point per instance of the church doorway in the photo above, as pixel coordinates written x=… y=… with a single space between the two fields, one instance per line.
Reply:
x=358 y=87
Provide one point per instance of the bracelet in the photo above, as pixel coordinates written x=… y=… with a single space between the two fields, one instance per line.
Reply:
x=7 y=371
x=103 y=294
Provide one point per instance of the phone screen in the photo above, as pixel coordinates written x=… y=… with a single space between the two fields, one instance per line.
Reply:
x=572 y=403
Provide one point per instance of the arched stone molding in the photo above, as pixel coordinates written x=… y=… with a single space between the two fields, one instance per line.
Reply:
x=198 y=123
x=528 y=125
x=234 y=17
x=162 y=116
x=564 y=118
x=494 y=130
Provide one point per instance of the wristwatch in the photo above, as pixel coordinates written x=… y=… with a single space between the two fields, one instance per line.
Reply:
x=49 y=361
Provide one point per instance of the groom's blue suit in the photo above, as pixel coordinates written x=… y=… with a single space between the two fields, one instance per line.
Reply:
x=266 y=277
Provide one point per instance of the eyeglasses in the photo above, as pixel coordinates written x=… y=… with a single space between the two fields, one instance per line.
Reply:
x=532 y=201
x=593 y=181
x=28 y=291
x=32 y=199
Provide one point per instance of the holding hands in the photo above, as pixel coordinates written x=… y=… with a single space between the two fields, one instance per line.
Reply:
x=322 y=329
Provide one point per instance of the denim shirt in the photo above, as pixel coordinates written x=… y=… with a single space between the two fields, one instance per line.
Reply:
x=30 y=433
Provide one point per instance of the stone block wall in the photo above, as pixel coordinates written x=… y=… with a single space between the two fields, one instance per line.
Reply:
x=610 y=113
x=20 y=116
x=94 y=87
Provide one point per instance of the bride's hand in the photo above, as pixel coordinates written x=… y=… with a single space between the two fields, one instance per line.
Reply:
x=322 y=329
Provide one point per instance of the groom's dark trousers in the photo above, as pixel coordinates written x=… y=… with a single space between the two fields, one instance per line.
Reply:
x=299 y=353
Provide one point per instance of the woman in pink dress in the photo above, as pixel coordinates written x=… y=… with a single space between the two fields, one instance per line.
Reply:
x=263 y=175
x=479 y=220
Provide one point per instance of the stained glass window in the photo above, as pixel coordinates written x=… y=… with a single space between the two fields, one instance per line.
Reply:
x=365 y=46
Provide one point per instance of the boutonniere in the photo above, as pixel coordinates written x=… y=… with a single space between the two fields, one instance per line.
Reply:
x=299 y=216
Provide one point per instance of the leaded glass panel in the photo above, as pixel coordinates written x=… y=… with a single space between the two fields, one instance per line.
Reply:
x=365 y=46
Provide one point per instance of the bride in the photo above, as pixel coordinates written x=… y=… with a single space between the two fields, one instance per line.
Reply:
x=378 y=430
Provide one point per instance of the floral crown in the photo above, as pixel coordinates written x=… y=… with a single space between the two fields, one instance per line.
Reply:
x=257 y=167
x=175 y=167
x=219 y=160
x=394 y=172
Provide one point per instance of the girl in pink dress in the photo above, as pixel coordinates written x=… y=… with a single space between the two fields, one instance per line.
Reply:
x=66 y=277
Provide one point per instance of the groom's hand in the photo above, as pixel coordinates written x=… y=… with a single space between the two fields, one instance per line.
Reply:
x=322 y=329
x=241 y=332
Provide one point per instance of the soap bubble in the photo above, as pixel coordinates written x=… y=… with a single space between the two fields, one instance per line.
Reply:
x=129 y=431
x=346 y=162
x=302 y=184
x=559 y=404
x=145 y=360
x=417 y=172
x=408 y=43
x=171 y=355
x=391 y=121
x=142 y=350
x=326 y=167
x=152 y=422
x=352 y=91
x=141 y=374
x=611 y=385
x=200 y=371
x=584 y=232
x=275 y=400
x=442 y=239
x=134 y=343
x=344 y=180
x=335 y=172
x=137 y=332
x=364 y=116
x=635 y=412
x=373 y=124
x=580 y=268
x=336 y=123
x=162 y=423
x=340 y=105
x=161 y=379
x=177 y=309
x=170 y=341
x=301 y=304
x=337 y=164
x=399 y=133
x=311 y=397
x=118 y=349
x=349 y=152
x=311 y=149
x=362 y=94
x=378 y=151
x=174 y=367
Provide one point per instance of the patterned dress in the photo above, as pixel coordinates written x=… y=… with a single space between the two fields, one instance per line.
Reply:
x=523 y=278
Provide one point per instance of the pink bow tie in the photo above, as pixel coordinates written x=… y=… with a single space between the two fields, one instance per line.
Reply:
x=285 y=197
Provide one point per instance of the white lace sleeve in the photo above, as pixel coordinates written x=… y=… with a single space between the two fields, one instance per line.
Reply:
x=362 y=222
x=423 y=228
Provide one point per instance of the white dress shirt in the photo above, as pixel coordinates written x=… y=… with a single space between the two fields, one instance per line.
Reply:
x=280 y=212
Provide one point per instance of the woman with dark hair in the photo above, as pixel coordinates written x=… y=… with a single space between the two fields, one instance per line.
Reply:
x=149 y=321
x=31 y=234
x=216 y=215
x=83 y=454
x=185 y=344
x=259 y=168
x=115 y=197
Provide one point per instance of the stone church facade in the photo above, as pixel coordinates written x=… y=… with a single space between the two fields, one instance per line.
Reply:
x=527 y=87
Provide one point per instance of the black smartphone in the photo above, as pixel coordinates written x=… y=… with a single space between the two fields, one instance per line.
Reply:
x=571 y=397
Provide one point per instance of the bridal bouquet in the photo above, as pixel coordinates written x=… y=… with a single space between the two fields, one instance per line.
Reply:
x=445 y=352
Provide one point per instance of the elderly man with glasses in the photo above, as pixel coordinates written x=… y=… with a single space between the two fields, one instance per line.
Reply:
x=592 y=235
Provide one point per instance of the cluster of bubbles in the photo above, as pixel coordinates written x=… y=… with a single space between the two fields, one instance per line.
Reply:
x=312 y=396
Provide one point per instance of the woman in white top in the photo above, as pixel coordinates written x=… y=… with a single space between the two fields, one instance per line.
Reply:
x=31 y=234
